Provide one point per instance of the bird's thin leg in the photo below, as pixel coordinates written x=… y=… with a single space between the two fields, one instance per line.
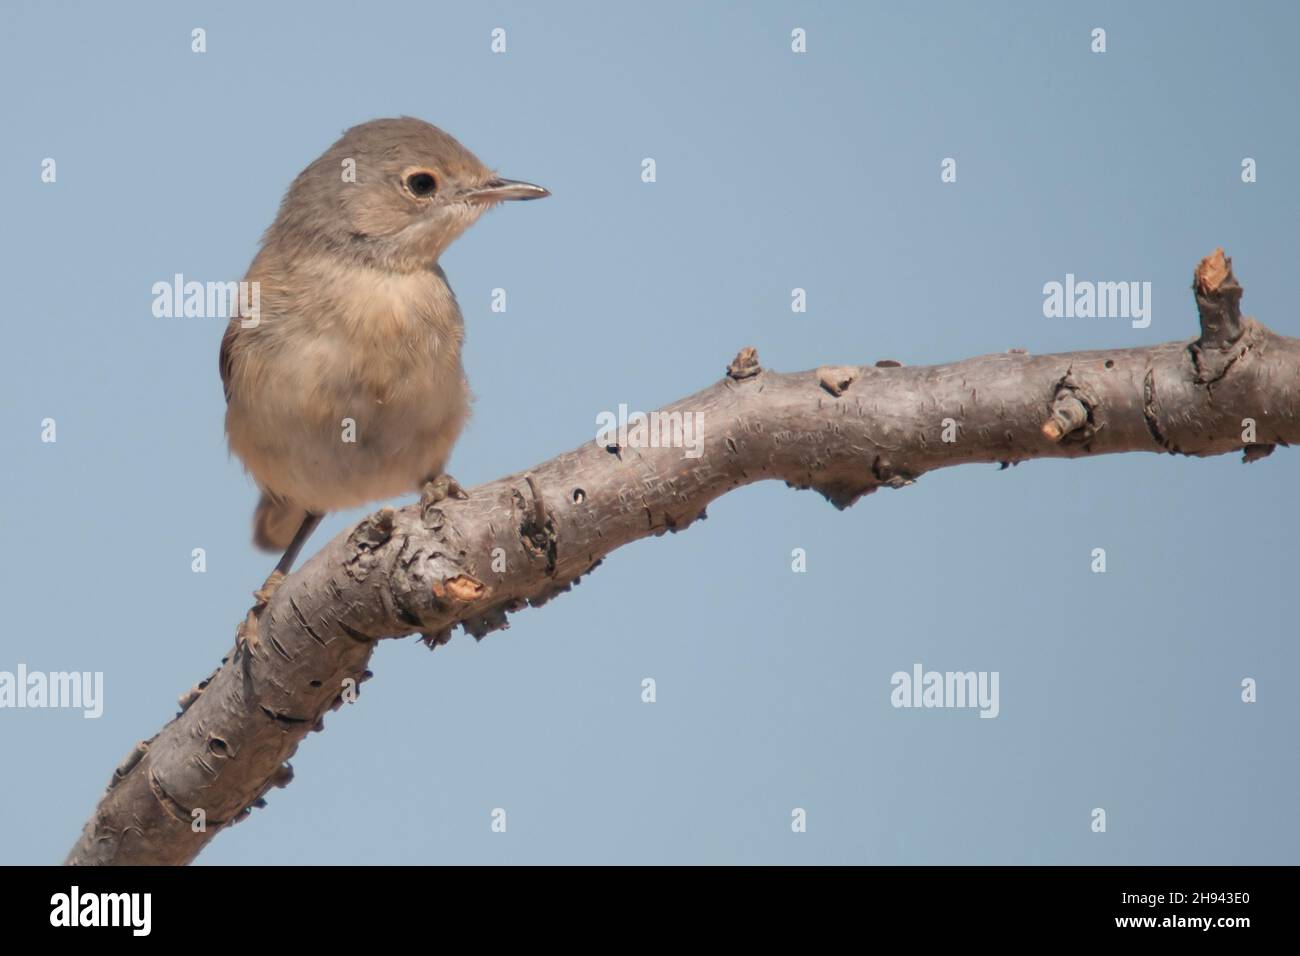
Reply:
x=247 y=635
x=309 y=524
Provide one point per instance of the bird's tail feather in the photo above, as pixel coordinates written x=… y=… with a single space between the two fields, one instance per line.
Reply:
x=275 y=522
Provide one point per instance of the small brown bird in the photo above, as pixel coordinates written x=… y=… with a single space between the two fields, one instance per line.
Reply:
x=345 y=384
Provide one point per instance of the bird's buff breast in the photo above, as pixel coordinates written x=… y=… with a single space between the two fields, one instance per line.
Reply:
x=351 y=390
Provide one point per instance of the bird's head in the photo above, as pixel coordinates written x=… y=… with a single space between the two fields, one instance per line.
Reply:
x=393 y=193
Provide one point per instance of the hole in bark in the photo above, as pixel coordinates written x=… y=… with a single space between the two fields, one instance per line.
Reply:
x=579 y=496
x=1110 y=363
x=219 y=747
x=315 y=683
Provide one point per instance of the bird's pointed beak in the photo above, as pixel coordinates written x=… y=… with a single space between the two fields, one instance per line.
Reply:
x=499 y=190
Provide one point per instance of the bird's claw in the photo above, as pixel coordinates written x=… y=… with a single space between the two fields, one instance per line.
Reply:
x=439 y=489
x=247 y=635
x=263 y=594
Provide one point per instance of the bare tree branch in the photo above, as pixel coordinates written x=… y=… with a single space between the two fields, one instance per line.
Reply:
x=844 y=431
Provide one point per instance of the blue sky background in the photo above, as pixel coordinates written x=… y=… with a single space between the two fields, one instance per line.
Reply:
x=775 y=170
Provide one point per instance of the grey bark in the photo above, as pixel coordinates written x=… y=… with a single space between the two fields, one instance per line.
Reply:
x=844 y=431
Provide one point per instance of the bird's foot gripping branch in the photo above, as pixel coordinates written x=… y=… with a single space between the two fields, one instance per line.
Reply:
x=517 y=542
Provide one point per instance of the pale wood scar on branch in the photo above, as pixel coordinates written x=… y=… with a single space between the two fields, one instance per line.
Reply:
x=519 y=541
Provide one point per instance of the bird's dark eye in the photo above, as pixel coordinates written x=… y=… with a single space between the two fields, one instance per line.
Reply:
x=421 y=184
